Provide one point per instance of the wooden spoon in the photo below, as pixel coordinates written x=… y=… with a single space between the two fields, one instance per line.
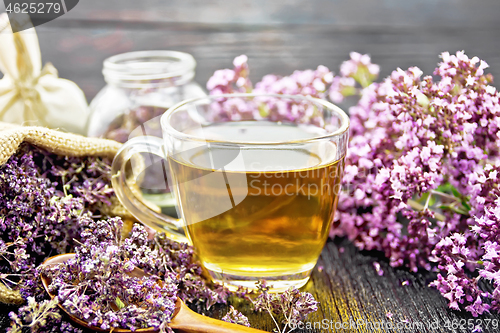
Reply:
x=184 y=319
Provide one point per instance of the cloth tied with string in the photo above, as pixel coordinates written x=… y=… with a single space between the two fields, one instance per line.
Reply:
x=32 y=95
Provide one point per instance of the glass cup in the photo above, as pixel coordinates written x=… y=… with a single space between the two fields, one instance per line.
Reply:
x=256 y=178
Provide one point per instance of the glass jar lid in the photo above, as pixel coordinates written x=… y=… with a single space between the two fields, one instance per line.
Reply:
x=149 y=69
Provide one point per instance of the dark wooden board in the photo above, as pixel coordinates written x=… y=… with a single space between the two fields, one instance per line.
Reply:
x=352 y=293
x=355 y=298
x=278 y=36
x=77 y=50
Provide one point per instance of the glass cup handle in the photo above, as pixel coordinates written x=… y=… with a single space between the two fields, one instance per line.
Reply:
x=143 y=144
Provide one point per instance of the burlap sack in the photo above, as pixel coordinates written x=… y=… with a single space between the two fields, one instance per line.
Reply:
x=11 y=136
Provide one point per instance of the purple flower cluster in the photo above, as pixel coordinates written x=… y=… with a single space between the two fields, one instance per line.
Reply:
x=130 y=282
x=44 y=201
x=48 y=205
x=235 y=317
x=419 y=175
x=308 y=82
x=476 y=248
x=179 y=258
x=420 y=182
x=103 y=286
x=228 y=81
x=290 y=307
x=42 y=316
x=356 y=73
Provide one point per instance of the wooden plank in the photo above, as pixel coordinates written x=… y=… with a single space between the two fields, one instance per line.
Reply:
x=413 y=13
x=354 y=298
x=78 y=50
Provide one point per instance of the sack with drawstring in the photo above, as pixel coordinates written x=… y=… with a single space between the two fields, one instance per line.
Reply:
x=32 y=95
x=60 y=143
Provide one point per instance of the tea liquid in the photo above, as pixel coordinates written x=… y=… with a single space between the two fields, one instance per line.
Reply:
x=260 y=211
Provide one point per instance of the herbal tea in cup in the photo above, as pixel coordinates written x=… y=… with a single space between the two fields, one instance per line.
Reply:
x=256 y=178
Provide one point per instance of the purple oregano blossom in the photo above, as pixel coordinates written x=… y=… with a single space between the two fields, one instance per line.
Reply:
x=45 y=200
x=48 y=204
x=235 y=317
x=99 y=286
x=51 y=205
x=288 y=308
x=421 y=173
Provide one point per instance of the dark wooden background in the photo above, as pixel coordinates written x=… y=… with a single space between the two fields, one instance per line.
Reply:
x=279 y=37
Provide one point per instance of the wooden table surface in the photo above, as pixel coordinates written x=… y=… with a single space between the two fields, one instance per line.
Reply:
x=279 y=37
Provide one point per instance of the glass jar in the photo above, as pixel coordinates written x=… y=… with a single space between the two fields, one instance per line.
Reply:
x=141 y=86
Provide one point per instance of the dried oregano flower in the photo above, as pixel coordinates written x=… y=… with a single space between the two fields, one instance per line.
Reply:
x=49 y=202
x=235 y=317
x=98 y=284
x=45 y=200
x=289 y=308
x=34 y=316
